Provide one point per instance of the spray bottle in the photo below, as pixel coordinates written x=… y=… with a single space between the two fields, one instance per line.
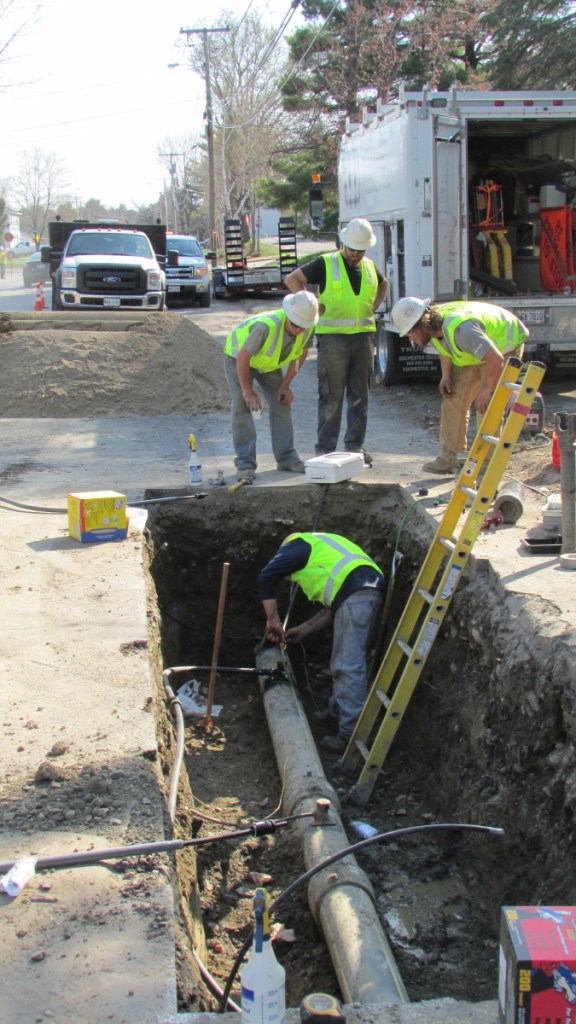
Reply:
x=263 y=979
x=194 y=465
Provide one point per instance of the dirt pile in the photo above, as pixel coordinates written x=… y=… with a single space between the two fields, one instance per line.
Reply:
x=117 y=365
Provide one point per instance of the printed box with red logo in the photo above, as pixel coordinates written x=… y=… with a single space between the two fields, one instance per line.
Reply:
x=537 y=971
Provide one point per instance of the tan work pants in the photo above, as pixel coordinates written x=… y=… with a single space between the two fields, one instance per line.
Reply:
x=455 y=416
x=467 y=381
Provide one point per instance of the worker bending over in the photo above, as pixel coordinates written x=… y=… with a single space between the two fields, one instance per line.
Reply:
x=473 y=339
x=257 y=350
x=344 y=579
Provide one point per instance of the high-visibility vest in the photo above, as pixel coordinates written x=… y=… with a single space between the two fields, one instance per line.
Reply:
x=504 y=329
x=347 y=313
x=331 y=560
x=269 y=356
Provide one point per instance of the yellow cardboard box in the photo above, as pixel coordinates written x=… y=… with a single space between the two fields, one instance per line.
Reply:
x=97 y=516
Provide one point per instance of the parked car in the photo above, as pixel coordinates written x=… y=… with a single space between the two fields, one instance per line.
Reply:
x=22 y=248
x=189 y=277
x=34 y=271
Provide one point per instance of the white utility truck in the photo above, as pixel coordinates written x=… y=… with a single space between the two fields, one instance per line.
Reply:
x=470 y=195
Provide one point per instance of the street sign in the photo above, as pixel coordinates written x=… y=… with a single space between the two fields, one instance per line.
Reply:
x=8 y=237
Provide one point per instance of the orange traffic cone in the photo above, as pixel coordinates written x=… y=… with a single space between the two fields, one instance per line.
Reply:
x=40 y=302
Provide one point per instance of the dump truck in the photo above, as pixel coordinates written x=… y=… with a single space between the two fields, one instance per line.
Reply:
x=470 y=195
x=107 y=265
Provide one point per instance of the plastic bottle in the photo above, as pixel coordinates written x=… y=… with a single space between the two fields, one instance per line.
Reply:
x=263 y=980
x=18 y=876
x=194 y=465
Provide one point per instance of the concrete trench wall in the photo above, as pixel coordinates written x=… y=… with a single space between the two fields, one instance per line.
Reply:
x=492 y=725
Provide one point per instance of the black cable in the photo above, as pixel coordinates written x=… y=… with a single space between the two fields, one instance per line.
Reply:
x=302 y=879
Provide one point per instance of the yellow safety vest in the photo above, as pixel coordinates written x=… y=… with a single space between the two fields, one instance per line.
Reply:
x=269 y=356
x=504 y=329
x=347 y=313
x=331 y=561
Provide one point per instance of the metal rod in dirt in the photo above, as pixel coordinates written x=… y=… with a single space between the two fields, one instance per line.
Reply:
x=216 y=650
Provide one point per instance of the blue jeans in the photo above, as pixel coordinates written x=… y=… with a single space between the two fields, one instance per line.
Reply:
x=344 y=366
x=243 y=429
x=353 y=625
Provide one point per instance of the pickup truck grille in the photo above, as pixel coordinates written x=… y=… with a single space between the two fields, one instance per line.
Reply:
x=112 y=281
x=181 y=274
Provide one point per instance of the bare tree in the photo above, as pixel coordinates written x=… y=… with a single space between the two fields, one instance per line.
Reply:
x=185 y=186
x=38 y=188
x=246 y=64
x=15 y=19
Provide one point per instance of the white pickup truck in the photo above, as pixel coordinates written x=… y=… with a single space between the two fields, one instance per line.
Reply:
x=107 y=266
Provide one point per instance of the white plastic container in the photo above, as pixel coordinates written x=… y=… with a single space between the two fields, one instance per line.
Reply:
x=334 y=467
x=263 y=980
x=552 y=195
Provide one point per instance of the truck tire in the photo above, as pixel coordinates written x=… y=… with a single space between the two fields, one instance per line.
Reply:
x=56 y=304
x=205 y=299
x=386 y=343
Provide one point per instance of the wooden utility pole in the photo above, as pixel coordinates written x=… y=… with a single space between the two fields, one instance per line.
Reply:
x=204 y=32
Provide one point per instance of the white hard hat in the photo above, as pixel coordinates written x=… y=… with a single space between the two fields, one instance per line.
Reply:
x=301 y=308
x=358 y=234
x=407 y=312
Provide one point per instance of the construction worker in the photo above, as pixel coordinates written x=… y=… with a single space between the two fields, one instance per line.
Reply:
x=350 y=289
x=256 y=351
x=337 y=573
x=2 y=262
x=473 y=340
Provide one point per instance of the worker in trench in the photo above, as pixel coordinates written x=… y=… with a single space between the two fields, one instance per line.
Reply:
x=336 y=572
x=350 y=290
x=473 y=340
x=256 y=351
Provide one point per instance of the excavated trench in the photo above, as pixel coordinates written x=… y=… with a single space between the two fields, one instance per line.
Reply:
x=488 y=739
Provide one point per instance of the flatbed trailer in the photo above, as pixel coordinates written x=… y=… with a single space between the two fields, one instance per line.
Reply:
x=238 y=278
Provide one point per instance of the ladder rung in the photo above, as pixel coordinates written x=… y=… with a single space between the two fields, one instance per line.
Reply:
x=511 y=386
x=447 y=543
x=404 y=647
x=383 y=698
x=425 y=595
x=362 y=749
x=490 y=438
x=469 y=491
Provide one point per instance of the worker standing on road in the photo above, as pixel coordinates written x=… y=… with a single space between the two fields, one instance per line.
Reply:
x=341 y=576
x=473 y=340
x=350 y=289
x=2 y=262
x=256 y=351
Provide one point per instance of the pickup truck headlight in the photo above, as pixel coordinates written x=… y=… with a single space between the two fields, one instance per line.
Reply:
x=69 y=278
x=201 y=271
x=154 y=281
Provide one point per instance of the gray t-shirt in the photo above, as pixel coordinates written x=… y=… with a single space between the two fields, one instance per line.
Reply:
x=471 y=337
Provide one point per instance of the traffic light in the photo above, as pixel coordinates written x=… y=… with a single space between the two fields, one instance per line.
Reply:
x=316 y=203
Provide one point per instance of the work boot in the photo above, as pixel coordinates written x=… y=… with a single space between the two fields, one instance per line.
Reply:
x=441 y=466
x=335 y=744
x=368 y=459
x=294 y=467
x=326 y=717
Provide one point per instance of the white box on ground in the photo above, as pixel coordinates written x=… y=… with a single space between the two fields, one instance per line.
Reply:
x=334 y=467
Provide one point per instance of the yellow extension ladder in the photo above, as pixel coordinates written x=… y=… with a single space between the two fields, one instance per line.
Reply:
x=440 y=574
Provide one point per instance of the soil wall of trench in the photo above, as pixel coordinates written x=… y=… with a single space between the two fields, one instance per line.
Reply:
x=488 y=739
